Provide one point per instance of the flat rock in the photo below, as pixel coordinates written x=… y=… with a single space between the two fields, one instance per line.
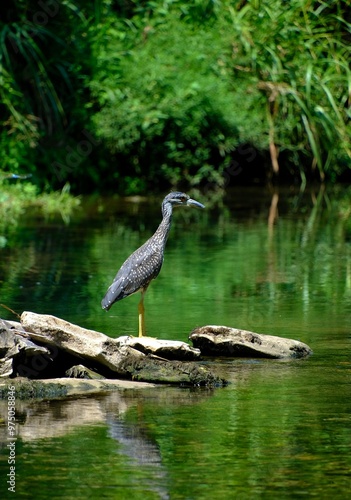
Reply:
x=63 y=387
x=168 y=349
x=213 y=340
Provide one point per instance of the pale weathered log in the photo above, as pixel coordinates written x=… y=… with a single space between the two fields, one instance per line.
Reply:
x=215 y=340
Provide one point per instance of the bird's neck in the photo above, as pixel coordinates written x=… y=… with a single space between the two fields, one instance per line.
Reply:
x=163 y=229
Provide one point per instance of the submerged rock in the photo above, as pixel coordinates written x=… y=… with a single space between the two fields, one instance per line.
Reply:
x=62 y=387
x=215 y=340
x=32 y=389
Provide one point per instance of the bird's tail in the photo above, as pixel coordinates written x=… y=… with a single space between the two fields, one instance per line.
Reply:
x=113 y=294
x=106 y=303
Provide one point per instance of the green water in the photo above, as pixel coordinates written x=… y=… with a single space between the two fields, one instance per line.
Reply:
x=279 y=430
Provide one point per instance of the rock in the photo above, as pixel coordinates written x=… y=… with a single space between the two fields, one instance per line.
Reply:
x=80 y=343
x=7 y=341
x=29 y=389
x=113 y=357
x=167 y=349
x=81 y=371
x=16 y=349
x=6 y=368
x=8 y=349
x=28 y=348
x=153 y=369
x=61 y=387
x=215 y=340
x=15 y=326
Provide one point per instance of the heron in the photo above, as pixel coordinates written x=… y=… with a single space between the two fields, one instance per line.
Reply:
x=144 y=265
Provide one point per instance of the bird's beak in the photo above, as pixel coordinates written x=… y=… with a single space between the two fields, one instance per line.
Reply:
x=193 y=203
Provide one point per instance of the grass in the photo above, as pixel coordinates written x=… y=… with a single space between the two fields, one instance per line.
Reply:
x=17 y=198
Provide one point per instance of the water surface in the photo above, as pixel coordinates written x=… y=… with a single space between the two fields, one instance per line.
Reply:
x=279 y=430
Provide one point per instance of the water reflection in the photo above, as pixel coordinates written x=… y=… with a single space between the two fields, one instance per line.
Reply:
x=40 y=421
x=54 y=418
x=133 y=442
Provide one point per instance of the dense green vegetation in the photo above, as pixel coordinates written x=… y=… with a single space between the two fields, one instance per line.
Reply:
x=124 y=95
x=18 y=199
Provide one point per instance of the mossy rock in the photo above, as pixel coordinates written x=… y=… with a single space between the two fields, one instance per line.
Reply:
x=33 y=389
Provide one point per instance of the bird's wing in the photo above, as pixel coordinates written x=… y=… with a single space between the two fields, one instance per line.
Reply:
x=135 y=273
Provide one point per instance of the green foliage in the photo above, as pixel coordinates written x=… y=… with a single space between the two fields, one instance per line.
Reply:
x=164 y=89
x=180 y=85
x=171 y=89
x=17 y=198
x=41 y=72
x=298 y=55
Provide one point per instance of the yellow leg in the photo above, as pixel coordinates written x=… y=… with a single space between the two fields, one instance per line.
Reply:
x=141 y=310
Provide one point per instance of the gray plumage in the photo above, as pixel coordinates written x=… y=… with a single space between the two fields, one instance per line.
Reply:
x=145 y=263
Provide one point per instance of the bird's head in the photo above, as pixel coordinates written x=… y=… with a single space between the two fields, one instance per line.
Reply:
x=177 y=199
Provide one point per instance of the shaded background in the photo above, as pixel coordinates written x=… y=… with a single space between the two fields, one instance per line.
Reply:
x=133 y=96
